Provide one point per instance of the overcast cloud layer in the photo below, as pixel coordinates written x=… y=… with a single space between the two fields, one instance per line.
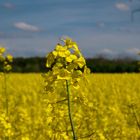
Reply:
x=101 y=27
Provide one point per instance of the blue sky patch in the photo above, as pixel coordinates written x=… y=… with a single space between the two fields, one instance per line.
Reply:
x=33 y=27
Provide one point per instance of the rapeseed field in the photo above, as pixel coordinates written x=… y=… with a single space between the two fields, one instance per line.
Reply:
x=105 y=107
x=68 y=102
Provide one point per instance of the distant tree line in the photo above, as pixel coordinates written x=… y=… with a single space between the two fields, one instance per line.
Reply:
x=97 y=65
x=113 y=66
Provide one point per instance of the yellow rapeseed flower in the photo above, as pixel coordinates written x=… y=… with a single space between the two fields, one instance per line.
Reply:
x=64 y=61
x=2 y=50
x=9 y=58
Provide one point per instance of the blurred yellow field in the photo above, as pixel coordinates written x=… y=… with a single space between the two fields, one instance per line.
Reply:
x=105 y=107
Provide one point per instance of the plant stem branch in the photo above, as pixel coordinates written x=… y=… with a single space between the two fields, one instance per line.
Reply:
x=6 y=95
x=6 y=99
x=69 y=110
x=137 y=121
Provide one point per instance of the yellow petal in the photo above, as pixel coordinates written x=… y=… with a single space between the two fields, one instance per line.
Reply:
x=2 y=50
x=9 y=58
x=80 y=61
x=55 y=53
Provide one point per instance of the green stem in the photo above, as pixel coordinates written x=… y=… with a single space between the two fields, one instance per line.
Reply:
x=137 y=121
x=69 y=110
x=6 y=94
x=6 y=100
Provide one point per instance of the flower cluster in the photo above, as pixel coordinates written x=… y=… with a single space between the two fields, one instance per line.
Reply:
x=5 y=59
x=5 y=126
x=65 y=62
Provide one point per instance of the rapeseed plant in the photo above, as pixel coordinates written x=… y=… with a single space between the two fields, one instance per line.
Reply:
x=66 y=64
x=6 y=60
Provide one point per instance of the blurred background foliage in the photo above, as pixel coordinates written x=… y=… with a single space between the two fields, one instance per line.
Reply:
x=98 y=65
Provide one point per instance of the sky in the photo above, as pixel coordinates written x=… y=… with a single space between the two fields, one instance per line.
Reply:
x=108 y=28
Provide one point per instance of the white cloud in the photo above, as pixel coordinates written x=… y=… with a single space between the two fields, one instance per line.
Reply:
x=125 y=53
x=8 y=5
x=133 y=50
x=131 y=53
x=26 y=27
x=107 y=51
x=122 y=6
x=100 y=24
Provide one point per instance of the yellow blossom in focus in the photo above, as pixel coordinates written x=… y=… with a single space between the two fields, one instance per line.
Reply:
x=66 y=63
